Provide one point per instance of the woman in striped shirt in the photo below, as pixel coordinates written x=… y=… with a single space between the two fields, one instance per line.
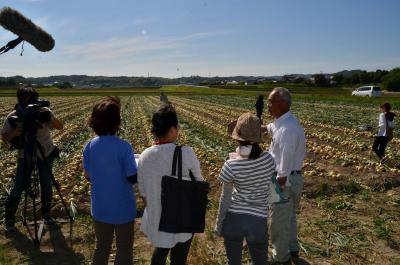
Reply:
x=243 y=208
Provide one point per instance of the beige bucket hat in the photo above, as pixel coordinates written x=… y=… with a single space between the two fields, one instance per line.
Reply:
x=246 y=128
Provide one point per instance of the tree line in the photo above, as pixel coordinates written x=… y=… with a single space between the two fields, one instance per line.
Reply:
x=389 y=80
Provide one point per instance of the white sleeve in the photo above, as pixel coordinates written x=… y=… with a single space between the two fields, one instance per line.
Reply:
x=382 y=120
x=288 y=144
x=140 y=177
x=194 y=164
x=224 y=204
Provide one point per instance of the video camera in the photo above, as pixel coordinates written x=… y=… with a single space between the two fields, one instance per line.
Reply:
x=31 y=118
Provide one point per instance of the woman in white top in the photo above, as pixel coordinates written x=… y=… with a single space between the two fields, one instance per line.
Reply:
x=246 y=178
x=154 y=163
x=385 y=130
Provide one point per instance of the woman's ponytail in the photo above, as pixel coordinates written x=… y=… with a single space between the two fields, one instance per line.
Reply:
x=255 y=151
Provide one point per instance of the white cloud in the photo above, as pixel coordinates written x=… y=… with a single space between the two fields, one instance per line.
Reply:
x=123 y=47
x=202 y=35
x=118 y=48
x=144 y=21
x=32 y=1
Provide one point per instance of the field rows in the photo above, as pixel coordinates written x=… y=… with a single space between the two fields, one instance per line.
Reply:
x=351 y=204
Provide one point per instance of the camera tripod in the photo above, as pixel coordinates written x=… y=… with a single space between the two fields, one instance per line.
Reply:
x=31 y=177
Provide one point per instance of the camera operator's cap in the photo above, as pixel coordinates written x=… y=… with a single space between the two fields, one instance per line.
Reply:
x=246 y=128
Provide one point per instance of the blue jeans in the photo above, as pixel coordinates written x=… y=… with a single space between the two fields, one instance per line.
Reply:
x=20 y=182
x=237 y=227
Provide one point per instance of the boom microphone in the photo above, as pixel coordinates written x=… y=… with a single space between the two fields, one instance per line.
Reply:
x=18 y=24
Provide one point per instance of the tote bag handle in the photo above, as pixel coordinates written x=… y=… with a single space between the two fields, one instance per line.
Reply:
x=177 y=161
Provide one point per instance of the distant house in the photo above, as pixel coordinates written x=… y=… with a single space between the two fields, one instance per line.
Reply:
x=233 y=82
x=289 y=78
x=217 y=83
x=320 y=79
x=332 y=81
x=251 y=82
x=294 y=78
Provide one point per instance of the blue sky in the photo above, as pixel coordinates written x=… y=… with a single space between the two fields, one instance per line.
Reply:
x=174 y=38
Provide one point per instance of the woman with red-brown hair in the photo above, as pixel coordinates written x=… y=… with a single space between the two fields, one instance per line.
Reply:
x=109 y=165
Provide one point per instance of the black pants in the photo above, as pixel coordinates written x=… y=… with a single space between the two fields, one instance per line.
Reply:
x=19 y=183
x=179 y=254
x=124 y=234
x=379 y=145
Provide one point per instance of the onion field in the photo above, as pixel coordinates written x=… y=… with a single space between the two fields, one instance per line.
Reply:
x=350 y=210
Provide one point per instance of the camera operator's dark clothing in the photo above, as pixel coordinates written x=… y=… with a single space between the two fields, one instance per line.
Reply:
x=18 y=187
x=43 y=135
x=20 y=181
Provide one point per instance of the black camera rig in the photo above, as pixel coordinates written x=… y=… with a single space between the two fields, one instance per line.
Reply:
x=31 y=118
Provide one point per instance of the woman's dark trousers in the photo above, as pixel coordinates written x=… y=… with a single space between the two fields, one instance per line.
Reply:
x=379 y=146
x=179 y=254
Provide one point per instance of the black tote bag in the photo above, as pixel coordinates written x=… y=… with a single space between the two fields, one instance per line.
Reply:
x=183 y=202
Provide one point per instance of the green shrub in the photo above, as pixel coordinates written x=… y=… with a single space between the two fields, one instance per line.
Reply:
x=391 y=81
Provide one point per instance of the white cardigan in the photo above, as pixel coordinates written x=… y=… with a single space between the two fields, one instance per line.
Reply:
x=155 y=162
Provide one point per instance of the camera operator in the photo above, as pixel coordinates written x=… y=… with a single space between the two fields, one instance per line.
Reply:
x=14 y=129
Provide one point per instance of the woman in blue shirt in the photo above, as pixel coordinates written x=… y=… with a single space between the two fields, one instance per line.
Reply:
x=109 y=165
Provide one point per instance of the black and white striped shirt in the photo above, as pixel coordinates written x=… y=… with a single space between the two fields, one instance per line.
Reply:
x=251 y=179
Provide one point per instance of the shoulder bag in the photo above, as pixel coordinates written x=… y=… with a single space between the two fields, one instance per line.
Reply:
x=183 y=202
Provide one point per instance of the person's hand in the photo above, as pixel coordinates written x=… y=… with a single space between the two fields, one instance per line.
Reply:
x=17 y=131
x=8 y=137
x=144 y=201
x=282 y=182
x=217 y=230
x=264 y=129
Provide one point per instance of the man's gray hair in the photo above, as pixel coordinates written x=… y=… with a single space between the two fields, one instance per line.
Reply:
x=283 y=94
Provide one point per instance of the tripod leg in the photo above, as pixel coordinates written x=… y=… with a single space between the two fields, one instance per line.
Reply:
x=70 y=234
x=36 y=239
x=54 y=181
x=25 y=208
x=57 y=186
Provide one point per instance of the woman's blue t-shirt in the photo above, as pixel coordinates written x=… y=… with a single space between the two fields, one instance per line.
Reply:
x=109 y=160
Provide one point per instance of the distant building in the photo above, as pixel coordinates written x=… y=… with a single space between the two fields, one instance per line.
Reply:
x=321 y=79
x=289 y=78
x=251 y=82
x=293 y=78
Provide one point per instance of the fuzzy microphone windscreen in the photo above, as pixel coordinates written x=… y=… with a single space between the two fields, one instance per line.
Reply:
x=18 y=24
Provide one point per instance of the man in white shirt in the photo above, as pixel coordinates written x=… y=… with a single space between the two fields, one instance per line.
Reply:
x=288 y=147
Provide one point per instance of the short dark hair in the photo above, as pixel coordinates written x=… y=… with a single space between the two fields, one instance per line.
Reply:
x=114 y=99
x=163 y=119
x=386 y=106
x=105 y=118
x=26 y=92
